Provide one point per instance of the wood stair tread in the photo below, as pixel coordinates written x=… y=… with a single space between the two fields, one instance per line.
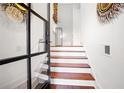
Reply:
x=68 y=57
x=70 y=65
x=65 y=51
x=75 y=76
x=57 y=86
x=66 y=46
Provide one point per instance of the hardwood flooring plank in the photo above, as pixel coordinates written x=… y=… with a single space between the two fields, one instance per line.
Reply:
x=75 y=76
x=70 y=65
x=69 y=57
x=56 y=86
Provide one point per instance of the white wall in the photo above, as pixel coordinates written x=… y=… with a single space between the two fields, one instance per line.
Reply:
x=65 y=20
x=108 y=70
x=76 y=25
x=65 y=15
x=13 y=43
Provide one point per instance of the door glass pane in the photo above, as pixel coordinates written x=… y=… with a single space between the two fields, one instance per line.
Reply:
x=37 y=34
x=40 y=8
x=12 y=36
x=39 y=70
x=14 y=75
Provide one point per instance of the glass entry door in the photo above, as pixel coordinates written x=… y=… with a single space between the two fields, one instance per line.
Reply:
x=25 y=50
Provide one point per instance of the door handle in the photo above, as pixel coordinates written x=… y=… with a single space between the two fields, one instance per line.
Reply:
x=44 y=41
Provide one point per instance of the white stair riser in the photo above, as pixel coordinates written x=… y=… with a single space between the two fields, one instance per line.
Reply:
x=75 y=61
x=68 y=48
x=73 y=82
x=70 y=70
x=67 y=54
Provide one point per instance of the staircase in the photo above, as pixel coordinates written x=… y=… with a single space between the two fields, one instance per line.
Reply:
x=70 y=68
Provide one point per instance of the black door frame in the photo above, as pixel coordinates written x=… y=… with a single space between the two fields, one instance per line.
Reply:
x=29 y=55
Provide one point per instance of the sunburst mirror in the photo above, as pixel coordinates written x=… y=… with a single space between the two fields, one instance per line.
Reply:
x=108 y=11
x=55 y=12
x=14 y=11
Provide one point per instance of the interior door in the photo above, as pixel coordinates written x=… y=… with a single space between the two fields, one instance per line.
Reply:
x=58 y=36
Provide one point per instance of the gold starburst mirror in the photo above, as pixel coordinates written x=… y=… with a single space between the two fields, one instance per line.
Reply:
x=14 y=11
x=104 y=7
x=21 y=8
x=108 y=11
x=55 y=12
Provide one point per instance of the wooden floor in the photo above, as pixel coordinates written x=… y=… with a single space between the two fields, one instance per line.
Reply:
x=55 y=86
x=65 y=51
x=70 y=65
x=76 y=76
x=70 y=78
x=66 y=46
